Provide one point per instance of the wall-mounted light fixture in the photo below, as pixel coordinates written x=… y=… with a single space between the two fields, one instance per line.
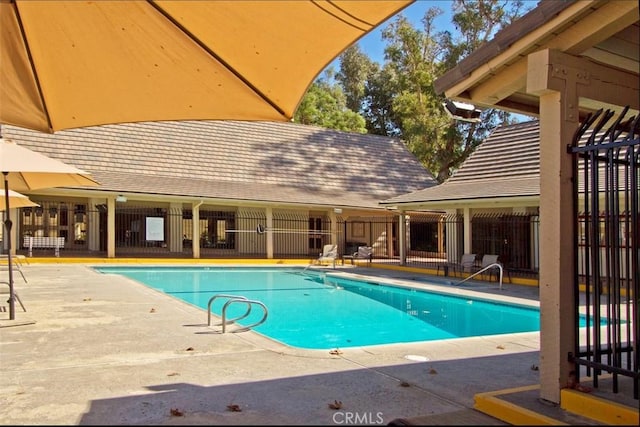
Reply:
x=462 y=111
x=121 y=198
x=337 y=210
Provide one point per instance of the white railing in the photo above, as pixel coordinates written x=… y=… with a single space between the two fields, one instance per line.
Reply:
x=482 y=271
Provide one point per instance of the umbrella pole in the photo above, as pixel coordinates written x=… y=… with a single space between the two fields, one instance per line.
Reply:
x=7 y=229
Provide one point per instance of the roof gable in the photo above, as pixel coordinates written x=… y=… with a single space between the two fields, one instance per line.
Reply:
x=506 y=164
x=509 y=152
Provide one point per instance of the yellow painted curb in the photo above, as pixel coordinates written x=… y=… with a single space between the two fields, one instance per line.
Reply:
x=492 y=405
x=573 y=401
x=598 y=409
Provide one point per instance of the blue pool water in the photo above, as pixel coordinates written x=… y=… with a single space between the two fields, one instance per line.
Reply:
x=321 y=311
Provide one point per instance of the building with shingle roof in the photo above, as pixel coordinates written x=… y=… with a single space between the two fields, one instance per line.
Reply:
x=224 y=166
x=504 y=169
x=490 y=204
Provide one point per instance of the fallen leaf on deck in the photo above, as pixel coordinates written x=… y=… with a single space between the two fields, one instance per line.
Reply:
x=177 y=412
x=234 y=408
x=190 y=349
x=173 y=374
x=153 y=310
x=336 y=351
x=405 y=384
x=501 y=347
x=335 y=405
x=433 y=371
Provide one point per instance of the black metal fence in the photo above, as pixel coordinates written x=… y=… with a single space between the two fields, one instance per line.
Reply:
x=607 y=162
x=146 y=230
x=514 y=237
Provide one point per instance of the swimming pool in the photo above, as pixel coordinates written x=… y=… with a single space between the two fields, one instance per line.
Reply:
x=317 y=310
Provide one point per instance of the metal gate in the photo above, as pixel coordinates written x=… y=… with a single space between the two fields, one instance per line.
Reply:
x=607 y=245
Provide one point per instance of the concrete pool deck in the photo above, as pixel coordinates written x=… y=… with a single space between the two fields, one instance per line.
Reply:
x=98 y=349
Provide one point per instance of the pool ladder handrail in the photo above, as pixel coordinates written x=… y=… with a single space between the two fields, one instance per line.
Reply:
x=495 y=264
x=235 y=299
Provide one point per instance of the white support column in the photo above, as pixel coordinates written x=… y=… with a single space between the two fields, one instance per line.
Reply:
x=452 y=237
x=93 y=224
x=195 y=218
x=269 y=219
x=333 y=221
x=402 y=238
x=388 y=232
x=441 y=234
x=466 y=212
x=111 y=227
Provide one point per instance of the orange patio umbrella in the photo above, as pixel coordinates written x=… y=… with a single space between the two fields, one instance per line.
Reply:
x=70 y=64
x=16 y=200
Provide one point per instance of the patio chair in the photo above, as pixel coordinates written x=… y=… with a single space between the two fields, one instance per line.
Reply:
x=467 y=261
x=487 y=260
x=329 y=254
x=364 y=252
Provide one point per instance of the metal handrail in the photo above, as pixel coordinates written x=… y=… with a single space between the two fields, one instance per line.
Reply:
x=248 y=302
x=224 y=296
x=497 y=264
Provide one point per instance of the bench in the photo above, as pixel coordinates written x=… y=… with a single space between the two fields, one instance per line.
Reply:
x=42 y=242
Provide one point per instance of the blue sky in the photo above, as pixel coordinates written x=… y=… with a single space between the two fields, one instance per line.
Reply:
x=372 y=43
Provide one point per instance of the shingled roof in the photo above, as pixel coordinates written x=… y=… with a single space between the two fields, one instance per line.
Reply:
x=236 y=161
x=505 y=165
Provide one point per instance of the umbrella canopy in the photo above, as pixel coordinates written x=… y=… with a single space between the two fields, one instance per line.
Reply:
x=24 y=169
x=70 y=64
x=17 y=200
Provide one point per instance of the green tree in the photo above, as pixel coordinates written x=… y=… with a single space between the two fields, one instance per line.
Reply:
x=413 y=59
x=398 y=98
x=377 y=108
x=355 y=67
x=325 y=105
x=417 y=58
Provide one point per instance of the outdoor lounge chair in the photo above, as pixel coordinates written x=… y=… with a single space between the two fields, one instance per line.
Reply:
x=364 y=252
x=329 y=254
